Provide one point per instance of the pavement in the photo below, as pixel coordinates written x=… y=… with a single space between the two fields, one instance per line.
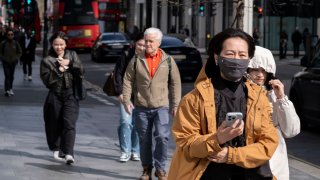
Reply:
x=24 y=154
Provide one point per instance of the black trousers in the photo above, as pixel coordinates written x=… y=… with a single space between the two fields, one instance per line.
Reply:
x=223 y=171
x=296 y=50
x=25 y=65
x=8 y=70
x=60 y=115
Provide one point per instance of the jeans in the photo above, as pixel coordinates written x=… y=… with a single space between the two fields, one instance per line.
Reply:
x=146 y=119
x=128 y=136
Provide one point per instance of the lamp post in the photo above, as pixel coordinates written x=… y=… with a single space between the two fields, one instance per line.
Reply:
x=45 y=30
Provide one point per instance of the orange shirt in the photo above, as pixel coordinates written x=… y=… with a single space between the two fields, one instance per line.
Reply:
x=153 y=62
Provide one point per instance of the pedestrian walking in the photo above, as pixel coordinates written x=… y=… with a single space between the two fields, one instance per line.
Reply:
x=128 y=136
x=305 y=35
x=283 y=44
x=256 y=36
x=296 y=39
x=28 y=45
x=61 y=108
x=207 y=147
x=149 y=78
x=262 y=69
x=10 y=52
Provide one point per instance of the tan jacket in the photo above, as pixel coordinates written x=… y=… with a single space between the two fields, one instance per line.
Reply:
x=194 y=130
x=151 y=93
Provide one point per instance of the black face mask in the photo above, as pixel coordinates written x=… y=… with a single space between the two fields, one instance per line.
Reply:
x=233 y=69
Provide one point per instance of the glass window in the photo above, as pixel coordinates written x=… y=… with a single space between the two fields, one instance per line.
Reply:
x=171 y=41
x=111 y=37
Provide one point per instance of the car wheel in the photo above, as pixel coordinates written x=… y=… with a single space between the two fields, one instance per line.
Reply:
x=297 y=105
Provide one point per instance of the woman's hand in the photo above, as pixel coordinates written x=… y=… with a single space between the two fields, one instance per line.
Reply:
x=219 y=157
x=278 y=88
x=225 y=133
x=63 y=62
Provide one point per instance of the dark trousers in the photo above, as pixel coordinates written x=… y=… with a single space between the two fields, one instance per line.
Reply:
x=296 y=50
x=223 y=172
x=25 y=65
x=283 y=52
x=60 y=116
x=8 y=69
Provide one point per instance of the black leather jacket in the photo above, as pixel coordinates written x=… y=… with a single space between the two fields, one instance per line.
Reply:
x=58 y=81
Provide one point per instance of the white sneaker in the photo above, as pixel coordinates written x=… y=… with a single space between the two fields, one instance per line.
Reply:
x=124 y=157
x=30 y=78
x=11 y=92
x=25 y=77
x=135 y=157
x=69 y=159
x=56 y=156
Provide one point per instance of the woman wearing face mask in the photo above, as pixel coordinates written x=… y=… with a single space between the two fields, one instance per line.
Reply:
x=61 y=108
x=262 y=69
x=206 y=148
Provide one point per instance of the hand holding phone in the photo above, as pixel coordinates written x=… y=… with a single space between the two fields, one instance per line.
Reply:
x=231 y=117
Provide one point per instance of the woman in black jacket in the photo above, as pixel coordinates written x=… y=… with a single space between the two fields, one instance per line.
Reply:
x=28 y=45
x=128 y=137
x=61 y=108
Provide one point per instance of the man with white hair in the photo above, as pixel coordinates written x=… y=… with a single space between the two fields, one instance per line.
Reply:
x=149 y=78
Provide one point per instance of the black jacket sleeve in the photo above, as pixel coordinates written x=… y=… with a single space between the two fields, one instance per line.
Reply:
x=119 y=71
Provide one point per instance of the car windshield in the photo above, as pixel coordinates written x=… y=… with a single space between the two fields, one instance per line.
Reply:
x=171 y=42
x=112 y=37
x=316 y=61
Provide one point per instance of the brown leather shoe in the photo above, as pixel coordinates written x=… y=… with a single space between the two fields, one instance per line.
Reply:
x=161 y=175
x=146 y=175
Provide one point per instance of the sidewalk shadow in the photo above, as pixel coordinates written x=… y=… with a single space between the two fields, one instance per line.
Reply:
x=78 y=169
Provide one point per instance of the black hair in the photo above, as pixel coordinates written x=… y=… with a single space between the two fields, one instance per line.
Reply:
x=9 y=30
x=54 y=36
x=60 y=35
x=216 y=45
x=139 y=37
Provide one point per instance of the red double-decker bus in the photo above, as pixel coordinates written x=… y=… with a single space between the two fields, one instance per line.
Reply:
x=111 y=16
x=79 y=20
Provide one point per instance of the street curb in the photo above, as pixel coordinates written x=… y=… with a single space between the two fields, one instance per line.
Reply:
x=304 y=166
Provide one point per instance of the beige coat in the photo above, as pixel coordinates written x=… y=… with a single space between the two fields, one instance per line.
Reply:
x=152 y=92
x=194 y=130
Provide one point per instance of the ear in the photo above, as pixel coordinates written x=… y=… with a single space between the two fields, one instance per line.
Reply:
x=216 y=59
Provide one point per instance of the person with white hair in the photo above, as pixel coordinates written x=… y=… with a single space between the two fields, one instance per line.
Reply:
x=262 y=69
x=149 y=78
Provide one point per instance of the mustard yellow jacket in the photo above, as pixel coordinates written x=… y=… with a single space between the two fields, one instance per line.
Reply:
x=194 y=130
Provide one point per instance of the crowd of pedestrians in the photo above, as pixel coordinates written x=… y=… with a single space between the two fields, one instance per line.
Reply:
x=16 y=45
x=238 y=77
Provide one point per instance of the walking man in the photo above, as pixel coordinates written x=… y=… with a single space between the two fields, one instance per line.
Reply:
x=10 y=52
x=28 y=44
x=150 y=77
x=296 y=40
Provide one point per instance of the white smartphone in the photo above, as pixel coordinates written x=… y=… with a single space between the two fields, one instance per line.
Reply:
x=231 y=117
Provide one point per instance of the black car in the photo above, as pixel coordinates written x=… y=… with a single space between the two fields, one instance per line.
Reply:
x=187 y=58
x=305 y=91
x=110 y=46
